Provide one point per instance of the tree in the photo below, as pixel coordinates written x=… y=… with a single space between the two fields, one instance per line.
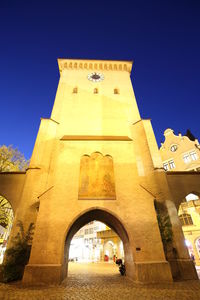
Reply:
x=11 y=159
x=18 y=255
x=165 y=227
x=5 y=212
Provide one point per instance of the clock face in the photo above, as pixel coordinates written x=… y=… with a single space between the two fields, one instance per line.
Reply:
x=95 y=77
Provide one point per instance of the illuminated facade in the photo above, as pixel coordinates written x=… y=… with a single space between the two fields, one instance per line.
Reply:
x=189 y=214
x=182 y=153
x=112 y=246
x=96 y=242
x=85 y=245
x=179 y=152
x=95 y=158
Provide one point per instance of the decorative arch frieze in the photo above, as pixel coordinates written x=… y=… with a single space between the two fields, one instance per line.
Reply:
x=94 y=65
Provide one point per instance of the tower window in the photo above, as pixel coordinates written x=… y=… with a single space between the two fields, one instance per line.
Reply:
x=96 y=91
x=116 y=91
x=75 y=90
x=186 y=219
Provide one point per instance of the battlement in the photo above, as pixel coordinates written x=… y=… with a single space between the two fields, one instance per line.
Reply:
x=109 y=65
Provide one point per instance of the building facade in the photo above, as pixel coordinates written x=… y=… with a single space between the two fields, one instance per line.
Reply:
x=189 y=214
x=179 y=152
x=85 y=245
x=182 y=153
x=95 y=158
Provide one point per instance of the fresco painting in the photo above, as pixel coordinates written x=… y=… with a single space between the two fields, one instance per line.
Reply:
x=96 y=177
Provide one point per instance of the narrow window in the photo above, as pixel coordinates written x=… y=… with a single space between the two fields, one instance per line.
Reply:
x=116 y=91
x=186 y=158
x=193 y=155
x=75 y=90
x=95 y=91
x=171 y=164
x=166 y=166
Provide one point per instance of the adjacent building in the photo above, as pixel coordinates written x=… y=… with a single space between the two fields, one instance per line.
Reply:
x=182 y=153
x=86 y=245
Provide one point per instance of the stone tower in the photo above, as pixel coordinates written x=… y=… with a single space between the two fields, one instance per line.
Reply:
x=96 y=159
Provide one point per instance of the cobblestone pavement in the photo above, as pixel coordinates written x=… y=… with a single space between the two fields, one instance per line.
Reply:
x=101 y=281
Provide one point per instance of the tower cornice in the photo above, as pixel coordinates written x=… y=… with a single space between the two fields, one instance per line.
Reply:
x=95 y=65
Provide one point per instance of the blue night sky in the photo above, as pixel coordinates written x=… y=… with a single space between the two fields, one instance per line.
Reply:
x=161 y=37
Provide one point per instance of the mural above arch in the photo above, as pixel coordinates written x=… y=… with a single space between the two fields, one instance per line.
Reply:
x=96 y=177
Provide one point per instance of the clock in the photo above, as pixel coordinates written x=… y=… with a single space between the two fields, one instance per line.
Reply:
x=95 y=77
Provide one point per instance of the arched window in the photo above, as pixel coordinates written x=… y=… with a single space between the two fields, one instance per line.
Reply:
x=95 y=91
x=198 y=245
x=6 y=220
x=75 y=90
x=116 y=91
x=186 y=219
x=191 y=196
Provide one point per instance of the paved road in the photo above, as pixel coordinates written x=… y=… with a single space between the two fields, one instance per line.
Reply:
x=101 y=282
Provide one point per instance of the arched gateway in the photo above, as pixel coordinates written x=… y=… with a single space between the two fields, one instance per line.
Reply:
x=109 y=219
x=96 y=159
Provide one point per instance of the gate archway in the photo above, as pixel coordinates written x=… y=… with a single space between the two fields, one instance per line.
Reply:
x=6 y=222
x=110 y=220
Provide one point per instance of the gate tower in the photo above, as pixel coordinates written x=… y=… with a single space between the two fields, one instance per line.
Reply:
x=96 y=159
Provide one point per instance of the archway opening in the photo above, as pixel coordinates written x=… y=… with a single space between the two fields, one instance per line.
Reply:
x=6 y=221
x=104 y=244
x=189 y=216
x=95 y=242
